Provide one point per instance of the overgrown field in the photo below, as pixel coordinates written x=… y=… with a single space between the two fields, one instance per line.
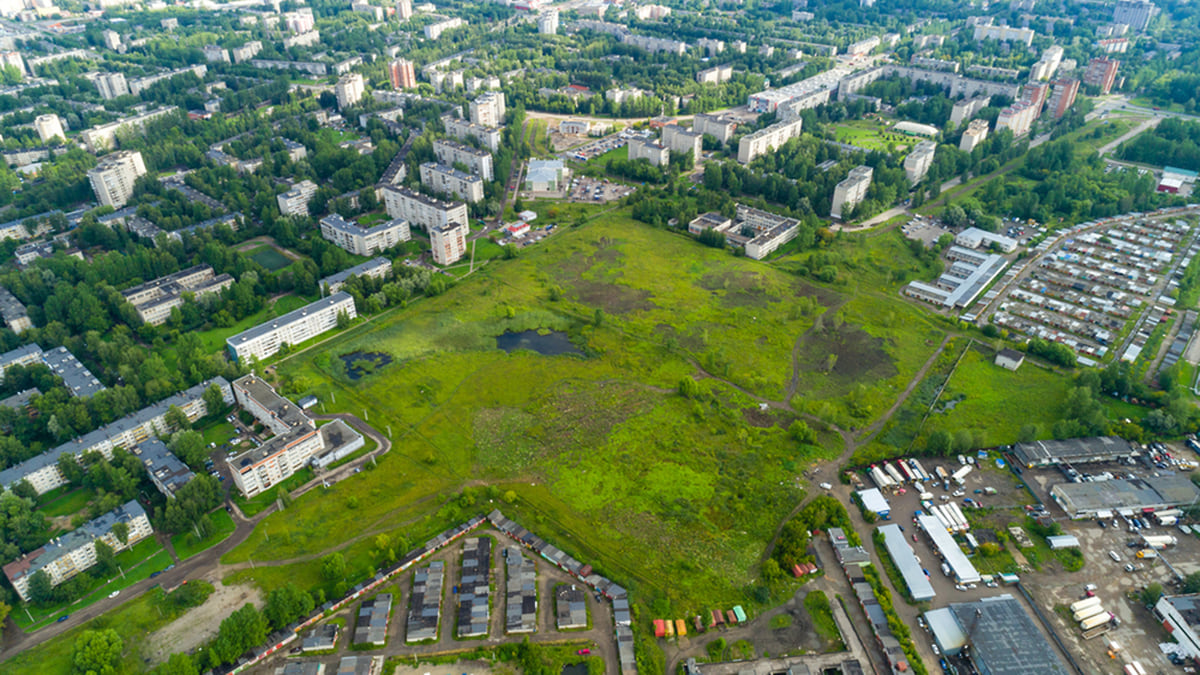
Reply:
x=674 y=495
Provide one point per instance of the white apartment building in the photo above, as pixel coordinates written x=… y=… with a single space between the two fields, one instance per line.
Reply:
x=462 y=129
x=446 y=180
x=111 y=85
x=155 y=299
x=42 y=471
x=15 y=316
x=294 y=202
x=851 y=192
x=1048 y=64
x=488 y=109
x=361 y=240
x=68 y=555
x=1018 y=117
x=349 y=90
x=246 y=51
x=300 y=21
x=478 y=162
x=448 y=243
x=215 y=54
x=306 y=39
x=404 y=9
x=375 y=268
x=12 y=58
x=48 y=127
x=678 y=139
x=966 y=109
x=715 y=75
x=423 y=211
x=434 y=30
x=917 y=163
x=770 y=138
x=720 y=128
x=104 y=137
x=1004 y=34
x=311 y=320
x=710 y=47
x=547 y=22
x=113 y=177
x=976 y=133
x=656 y=154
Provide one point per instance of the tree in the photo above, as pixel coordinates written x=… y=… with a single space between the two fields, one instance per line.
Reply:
x=1191 y=583
x=333 y=567
x=285 y=605
x=180 y=663
x=97 y=652
x=189 y=447
x=41 y=589
x=214 y=400
x=120 y=530
x=1151 y=593
x=176 y=418
x=803 y=434
x=939 y=442
x=106 y=558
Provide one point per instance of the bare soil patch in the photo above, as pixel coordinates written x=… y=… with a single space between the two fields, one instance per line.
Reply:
x=859 y=355
x=613 y=298
x=200 y=624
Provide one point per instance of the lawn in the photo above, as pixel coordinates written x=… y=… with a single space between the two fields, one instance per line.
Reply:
x=600 y=453
x=871 y=135
x=186 y=545
x=374 y=218
x=64 y=501
x=133 y=621
x=269 y=257
x=214 y=339
x=220 y=433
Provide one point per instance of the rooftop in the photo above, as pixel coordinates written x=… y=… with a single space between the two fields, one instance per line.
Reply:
x=358 y=270
x=1072 y=450
x=423 y=198
x=291 y=317
x=461 y=147
x=1004 y=639
x=964 y=571
x=78 y=379
x=11 y=308
x=59 y=546
x=460 y=175
x=166 y=469
x=906 y=561
x=340 y=224
x=1125 y=494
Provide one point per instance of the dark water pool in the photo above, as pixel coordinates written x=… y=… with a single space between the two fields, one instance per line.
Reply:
x=355 y=368
x=552 y=343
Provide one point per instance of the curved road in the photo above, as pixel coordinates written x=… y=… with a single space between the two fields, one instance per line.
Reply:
x=16 y=640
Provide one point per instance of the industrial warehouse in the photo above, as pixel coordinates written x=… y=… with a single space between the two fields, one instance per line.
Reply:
x=1074 y=451
x=1087 y=499
x=996 y=635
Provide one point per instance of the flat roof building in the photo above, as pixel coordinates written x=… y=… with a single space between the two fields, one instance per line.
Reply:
x=474 y=587
x=294 y=202
x=448 y=243
x=65 y=556
x=962 y=282
x=371 y=625
x=520 y=592
x=361 y=240
x=155 y=299
x=546 y=175
x=15 y=316
x=874 y=501
x=75 y=376
x=166 y=471
x=462 y=129
x=446 y=180
x=960 y=566
x=1074 y=451
x=425 y=602
x=768 y=139
x=917 y=163
x=311 y=320
x=375 y=268
x=1087 y=499
x=1180 y=615
x=718 y=127
x=906 y=561
x=975 y=133
x=654 y=153
x=570 y=603
x=113 y=177
x=973 y=237
x=851 y=192
x=478 y=162
x=423 y=211
x=1003 y=639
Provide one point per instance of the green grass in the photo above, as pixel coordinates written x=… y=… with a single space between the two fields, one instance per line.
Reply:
x=335 y=136
x=65 y=501
x=139 y=562
x=214 y=339
x=269 y=257
x=816 y=603
x=219 y=433
x=186 y=545
x=537 y=136
x=255 y=505
x=373 y=218
x=133 y=621
x=871 y=135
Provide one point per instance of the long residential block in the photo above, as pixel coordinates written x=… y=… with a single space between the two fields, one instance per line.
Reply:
x=421 y=210
x=68 y=555
x=361 y=240
x=311 y=320
x=770 y=138
x=155 y=299
x=294 y=202
x=462 y=129
x=447 y=180
x=15 y=316
x=376 y=268
x=478 y=162
x=42 y=471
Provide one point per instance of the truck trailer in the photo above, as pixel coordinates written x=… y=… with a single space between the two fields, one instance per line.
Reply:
x=893 y=473
x=921 y=472
x=960 y=476
x=1085 y=603
x=881 y=479
x=1087 y=613
x=1159 y=541
x=1098 y=620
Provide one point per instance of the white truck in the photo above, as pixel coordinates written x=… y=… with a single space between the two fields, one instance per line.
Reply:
x=1159 y=541
x=1098 y=620
x=1088 y=612
x=881 y=479
x=1085 y=603
x=921 y=472
x=960 y=476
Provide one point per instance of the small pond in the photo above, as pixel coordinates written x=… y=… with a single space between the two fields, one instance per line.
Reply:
x=552 y=343
x=575 y=669
x=364 y=363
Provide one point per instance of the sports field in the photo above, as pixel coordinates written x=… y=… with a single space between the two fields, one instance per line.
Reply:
x=600 y=453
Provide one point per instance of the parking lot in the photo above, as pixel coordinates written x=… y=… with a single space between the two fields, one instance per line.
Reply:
x=597 y=190
x=926 y=230
x=1096 y=286
x=598 y=147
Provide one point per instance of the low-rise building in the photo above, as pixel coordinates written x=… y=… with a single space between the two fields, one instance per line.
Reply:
x=651 y=151
x=15 y=316
x=520 y=592
x=421 y=210
x=852 y=191
x=265 y=339
x=570 y=604
x=425 y=602
x=715 y=75
x=155 y=299
x=478 y=162
x=167 y=472
x=546 y=175
x=376 y=268
x=447 y=180
x=75 y=552
x=361 y=240
x=25 y=355
x=770 y=138
x=973 y=237
x=294 y=202
x=1123 y=495
x=371 y=626
x=474 y=588
x=1009 y=359
x=917 y=163
x=1180 y=615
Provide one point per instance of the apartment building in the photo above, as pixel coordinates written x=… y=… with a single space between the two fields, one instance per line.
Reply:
x=375 y=268
x=768 y=139
x=21 y=356
x=489 y=137
x=402 y=74
x=715 y=75
x=1048 y=64
x=349 y=90
x=166 y=471
x=852 y=191
x=434 y=30
x=78 y=380
x=448 y=242
x=49 y=127
x=113 y=176
x=547 y=22
x=111 y=85
x=478 y=162
x=421 y=210
x=1018 y=117
x=246 y=52
x=770 y=230
x=134 y=429
x=15 y=316
x=215 y=54
x=917 y=163
x=488 y=109
x=155 y=299
x=104 y=137
x=1063 y=96
x=404 y=9
x=1101 y=73
x=68 y=555
x=361 y=240
x=719 y=127
x=655 y=153
x=968 y=108
x=678 y=139
x=140 y=84
x=976 y=133
x=294 y=202
x=1004 y=34
x=1136 y=14
x=311 y=320
x=446 y=180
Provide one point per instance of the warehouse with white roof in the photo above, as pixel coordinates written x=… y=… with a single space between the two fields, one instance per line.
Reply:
x=906 y=561
x=962 y=569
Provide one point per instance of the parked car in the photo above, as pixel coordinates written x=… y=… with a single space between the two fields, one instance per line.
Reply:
x=114 y=594
x=584 y=652
x=62 y=618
